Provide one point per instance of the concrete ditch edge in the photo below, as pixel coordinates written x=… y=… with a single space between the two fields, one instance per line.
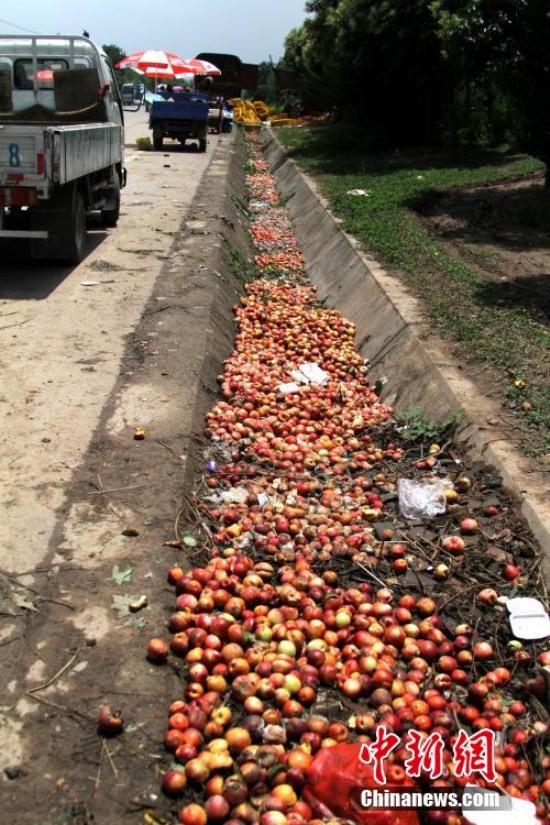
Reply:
x=401 y=349
x=227 y=211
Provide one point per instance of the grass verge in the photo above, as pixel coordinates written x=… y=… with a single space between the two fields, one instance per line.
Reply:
x=505 y=338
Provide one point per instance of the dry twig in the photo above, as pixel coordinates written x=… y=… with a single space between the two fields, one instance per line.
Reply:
x=57 y=675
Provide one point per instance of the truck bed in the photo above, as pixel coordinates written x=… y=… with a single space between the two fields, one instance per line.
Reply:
x=163 y=110
x=60 y=154
x=84 y=149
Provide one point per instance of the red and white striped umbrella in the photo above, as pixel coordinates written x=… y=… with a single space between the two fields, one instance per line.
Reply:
x=203 y=67
x=156 y=63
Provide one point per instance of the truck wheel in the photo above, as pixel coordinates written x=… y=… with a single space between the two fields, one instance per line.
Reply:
x=65 y=221
x=157 y=141
x=76 y=231
x=202 y=145
x=109 y=217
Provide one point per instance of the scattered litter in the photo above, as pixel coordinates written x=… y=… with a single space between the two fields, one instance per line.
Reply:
x=80 y=666
x=263 y=500
x=299 y=377
x=361 y=192
x=139 y=604
x=211 y=465
x=151 y=818
x=308 y=373
x=258 y=205
x=139 y=433
x=131 y=532
x=120 y=603
x=421 y=499
x=528 y=618
x=190 y=541
x=311 y=372
x=236 y=495
x=287 y=389
x=89 y=283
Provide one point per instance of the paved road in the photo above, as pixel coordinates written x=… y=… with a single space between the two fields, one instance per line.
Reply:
x=136 y=124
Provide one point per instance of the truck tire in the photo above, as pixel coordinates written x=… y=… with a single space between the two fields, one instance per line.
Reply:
x=109 y=217
x=76 y=231
x=65 y=221
x=202 y=145
x=157 y=140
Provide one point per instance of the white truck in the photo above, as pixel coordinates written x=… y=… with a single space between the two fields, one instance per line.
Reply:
x=61 y=142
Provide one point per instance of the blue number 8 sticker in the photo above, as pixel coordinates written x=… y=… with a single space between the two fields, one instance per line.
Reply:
x=13 y=150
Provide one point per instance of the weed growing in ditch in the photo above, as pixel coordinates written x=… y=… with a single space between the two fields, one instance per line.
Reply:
x=240 y=265
x=414 y=425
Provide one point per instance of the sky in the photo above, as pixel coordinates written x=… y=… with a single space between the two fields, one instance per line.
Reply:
x=254 y=30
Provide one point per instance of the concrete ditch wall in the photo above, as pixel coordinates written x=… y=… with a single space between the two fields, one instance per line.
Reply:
x=222 y=206
x=415 y=366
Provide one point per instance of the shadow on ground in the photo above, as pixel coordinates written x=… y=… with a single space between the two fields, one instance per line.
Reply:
x=24 y=278
x=530 y=292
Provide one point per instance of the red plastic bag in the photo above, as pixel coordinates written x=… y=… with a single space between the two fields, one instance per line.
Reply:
x=336 y=778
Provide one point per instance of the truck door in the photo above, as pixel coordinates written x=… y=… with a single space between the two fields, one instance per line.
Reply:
x=112 y=97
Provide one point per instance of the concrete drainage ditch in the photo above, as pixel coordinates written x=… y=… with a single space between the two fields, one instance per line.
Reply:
x=391 y=334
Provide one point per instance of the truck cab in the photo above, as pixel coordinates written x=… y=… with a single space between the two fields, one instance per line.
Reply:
x=30 y=67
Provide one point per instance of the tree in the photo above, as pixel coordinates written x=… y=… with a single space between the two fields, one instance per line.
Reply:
x=477 y=42
x=500 y=49
x=267 y=87
x=296 y=73
x=404 y=68
x=116 y=54
x=527 y=76
x=393 y=60
x=378 y=61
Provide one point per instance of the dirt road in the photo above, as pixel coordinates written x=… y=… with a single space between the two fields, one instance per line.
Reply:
x=62 y=333
x=88 y=354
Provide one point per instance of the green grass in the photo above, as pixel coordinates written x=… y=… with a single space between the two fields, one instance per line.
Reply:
x=460 y=302
x=414 y=425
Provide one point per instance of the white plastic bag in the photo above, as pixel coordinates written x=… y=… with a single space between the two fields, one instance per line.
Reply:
x=235 y=495
x=314 y=373
x=421 y=499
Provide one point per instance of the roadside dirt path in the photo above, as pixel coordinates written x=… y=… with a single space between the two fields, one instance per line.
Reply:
x=88 y=354
x=62 y=334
